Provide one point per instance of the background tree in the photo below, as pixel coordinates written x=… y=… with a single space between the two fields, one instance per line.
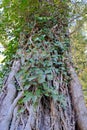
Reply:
x=78 y=43
x=40 y=88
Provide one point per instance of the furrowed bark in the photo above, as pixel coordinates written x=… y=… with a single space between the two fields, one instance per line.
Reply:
x=14 y=118
x=8 y=105
x=78 y=101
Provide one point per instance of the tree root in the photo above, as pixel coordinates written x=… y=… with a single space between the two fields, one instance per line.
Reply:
x=31 y=119
x=7 y=102
x=14 y=118
x=4 y=125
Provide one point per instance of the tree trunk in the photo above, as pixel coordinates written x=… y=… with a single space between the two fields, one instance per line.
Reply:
x=48 y=115
x=60 y=105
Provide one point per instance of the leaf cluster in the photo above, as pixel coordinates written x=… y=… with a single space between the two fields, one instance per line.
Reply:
x=36 y=35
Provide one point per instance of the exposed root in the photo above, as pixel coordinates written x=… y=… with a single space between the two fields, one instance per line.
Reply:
x=6 y=122
x=23 y=124
x=11 y=93
x=31 y=119
x=17 y=123
x=14 y=118
x=8 y=105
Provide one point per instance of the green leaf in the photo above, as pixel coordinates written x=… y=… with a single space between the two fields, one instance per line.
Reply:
x=32 y=78
x=50 y=77
x=26 y=87
x=48 y=71
x=37 y=39
x=21 y=110
x=38 y=92
x=59 y=63
x=34 y=98
x=55 y=97
x=41 y=79
x=28 y=96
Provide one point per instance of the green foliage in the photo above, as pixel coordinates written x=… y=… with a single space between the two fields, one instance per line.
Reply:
x=28 y=35
x=41 y=61
x=79 y=43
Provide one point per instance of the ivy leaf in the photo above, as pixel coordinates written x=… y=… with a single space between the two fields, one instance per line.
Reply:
x=28 y=96
x=55 y=97
x=59 y=63
x=21 y=110
x=41 y=79
x=32 y=78
x=26 y=87
x=50 y=77
x=37 y=39
x=38 y=92
x=48 y=71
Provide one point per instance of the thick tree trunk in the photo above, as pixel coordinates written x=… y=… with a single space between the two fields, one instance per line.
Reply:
x=48 y=114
